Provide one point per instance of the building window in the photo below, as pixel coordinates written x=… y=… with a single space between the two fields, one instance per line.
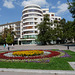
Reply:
x=30 y=27
x=35 y=18
x=51 y=20
x=59 y=18
x=55 y=18
x=31 y=22
x=44 y=11
x=36 y=32
x=35 y=26
x=41 y=19
x=52 y=14
x=35 y=22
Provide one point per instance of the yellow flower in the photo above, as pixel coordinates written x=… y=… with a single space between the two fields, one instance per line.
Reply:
x=28 y=53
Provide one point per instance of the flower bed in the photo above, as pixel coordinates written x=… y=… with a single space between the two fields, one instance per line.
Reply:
x=48 y=55
x=28 y=53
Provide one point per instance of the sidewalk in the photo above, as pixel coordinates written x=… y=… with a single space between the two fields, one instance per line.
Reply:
x=35 y=47
x=36 y=72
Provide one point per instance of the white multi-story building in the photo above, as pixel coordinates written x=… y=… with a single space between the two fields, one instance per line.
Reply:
x=14 y=25
x=31 y=16
x=26 y=28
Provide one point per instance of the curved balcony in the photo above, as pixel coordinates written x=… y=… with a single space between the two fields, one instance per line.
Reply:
x=30 y=34
x=36 y=16
x=31 y=14
x=28 y=21
x=34 y=21
x=31 y=9
x=27 y=25
x=29 y=30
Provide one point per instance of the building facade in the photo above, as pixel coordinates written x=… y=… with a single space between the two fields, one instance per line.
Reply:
x=31 y=16
x=15 y=26
x=26 y=29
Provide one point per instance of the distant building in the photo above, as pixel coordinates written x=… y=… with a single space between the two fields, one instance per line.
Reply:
x=15 y=26
x=26 y=31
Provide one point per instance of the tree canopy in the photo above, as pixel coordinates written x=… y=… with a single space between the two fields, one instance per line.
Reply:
x=62 y=30
x=45 y=30
x=8 y=35
x=72 y=7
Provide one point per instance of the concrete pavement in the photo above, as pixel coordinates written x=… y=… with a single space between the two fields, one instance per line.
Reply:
x=4 y=71
x=34 y=47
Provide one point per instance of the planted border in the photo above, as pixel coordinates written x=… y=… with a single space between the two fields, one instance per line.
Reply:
x=53 y=53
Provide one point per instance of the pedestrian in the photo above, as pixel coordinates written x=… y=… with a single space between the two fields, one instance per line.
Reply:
x=4 y=45
x=12 y=45
x=68 y=47
x=8 y=48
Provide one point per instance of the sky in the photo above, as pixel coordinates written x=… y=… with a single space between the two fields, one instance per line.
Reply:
x=11 y=10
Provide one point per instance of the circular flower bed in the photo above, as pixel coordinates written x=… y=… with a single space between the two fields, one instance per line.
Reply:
x=29 y=54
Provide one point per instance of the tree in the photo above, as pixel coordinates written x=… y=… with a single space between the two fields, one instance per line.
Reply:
x=72 y=7
x=59 y=30
x=1 y=40
x=9 y=39
x=7 y=32
x=72 y=11
x=45 y=30
x=68 y=30
x=4 y=33
x=73 y=29
x=63 y=24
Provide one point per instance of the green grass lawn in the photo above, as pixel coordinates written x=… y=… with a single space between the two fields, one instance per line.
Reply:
x=54 y=64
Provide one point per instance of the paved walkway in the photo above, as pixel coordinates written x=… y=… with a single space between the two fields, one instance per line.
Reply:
x=4 y=71
x=26 y=47
x=72 y=64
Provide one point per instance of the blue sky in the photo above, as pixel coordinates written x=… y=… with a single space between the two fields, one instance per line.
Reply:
x=11 y=10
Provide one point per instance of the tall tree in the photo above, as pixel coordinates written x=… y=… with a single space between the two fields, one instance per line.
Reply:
x=1 y=40
x=8 y=31
x=72 y=11
x=45 y=30
x=72 y=7
x=9 y=39
x=63 y=24
x=59 y=30
x=4 y=33
x=68 y=30
x=73 y=28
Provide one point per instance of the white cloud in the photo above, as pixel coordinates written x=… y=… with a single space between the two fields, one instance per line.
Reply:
x=58 y=2
x=53 y=7
x=42 y=3
x=62 y=8
x=8 y=4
